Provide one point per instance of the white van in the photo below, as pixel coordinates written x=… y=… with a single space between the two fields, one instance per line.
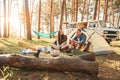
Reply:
x=104 y=28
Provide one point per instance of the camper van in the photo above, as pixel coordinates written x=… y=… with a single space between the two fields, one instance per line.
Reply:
x=104 y=28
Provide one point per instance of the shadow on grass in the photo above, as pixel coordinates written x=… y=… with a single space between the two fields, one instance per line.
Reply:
x=9 y=42
x=49 y=75
x=9 y=47
x=38 y=42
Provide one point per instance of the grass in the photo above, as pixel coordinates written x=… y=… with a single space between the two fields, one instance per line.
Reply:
x=6 y=72
x=10 y=45
x=109 y=65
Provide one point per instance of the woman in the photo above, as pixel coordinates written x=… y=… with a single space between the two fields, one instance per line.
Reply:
x=60 y=41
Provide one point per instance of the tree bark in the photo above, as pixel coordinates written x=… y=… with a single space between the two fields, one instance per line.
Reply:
x=62 y=14
x=72 y=64
x=9 y=14
x=95 y=10
x=65 y=12
x=51 y=16
x=88 y=4
x=39 y=18
x=5 y=26
x=98 y=9
x=28 y=23
x=83 y=10
x=76 y=10
x=73 y=10
x=105 y=9
x=88 y=56
x=113 y=17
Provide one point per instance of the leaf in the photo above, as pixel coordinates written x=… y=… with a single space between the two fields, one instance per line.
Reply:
x=2 y=72
x=5 y=68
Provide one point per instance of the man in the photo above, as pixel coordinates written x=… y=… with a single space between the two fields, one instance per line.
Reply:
x=78 y=40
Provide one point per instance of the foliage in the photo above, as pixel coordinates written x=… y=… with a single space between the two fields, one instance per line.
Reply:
x=45 y=13
x=6 y=72
x=117 y=4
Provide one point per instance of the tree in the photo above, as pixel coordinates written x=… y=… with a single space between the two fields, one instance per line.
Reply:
x=105 y=9
x=117 y=7
x=28 y=22
x=62 y=13
x=9 y=13
x=73 y=10
x=113 y=15
x=76 y=10
x=83 y=10
x=5 y=26
x=98 y=7
x=65 y=11
x=39 y=17
x=88 y=4
x=0 y=20
x=84 y=63
x=51 y=16
x=95 y=10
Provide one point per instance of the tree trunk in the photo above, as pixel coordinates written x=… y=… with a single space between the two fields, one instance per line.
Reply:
x=73 y=10
x=5 y=26
x=83 y=10
x=28 y=24
x=76 y=10
x=9 y=13
x=51 y=16
x=88 y=4
x=65 y=12
x=105 y=9
x=24 y=20
x=95 y=10
x=39 y=18
x=98 y=9
x=0 y=26
x=88 y=56
x=113 y=15
x=119 y=18
x=62 y=13
x=72 y=64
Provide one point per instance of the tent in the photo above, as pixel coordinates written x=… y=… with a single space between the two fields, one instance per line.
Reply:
x=98 y=43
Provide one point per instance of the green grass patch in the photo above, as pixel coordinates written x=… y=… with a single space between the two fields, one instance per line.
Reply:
x=10 y=45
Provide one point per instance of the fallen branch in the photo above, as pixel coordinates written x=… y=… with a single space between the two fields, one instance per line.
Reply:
x=55 y=63
x=88 y=56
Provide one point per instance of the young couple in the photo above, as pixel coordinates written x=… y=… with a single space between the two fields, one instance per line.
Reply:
x=75 y=43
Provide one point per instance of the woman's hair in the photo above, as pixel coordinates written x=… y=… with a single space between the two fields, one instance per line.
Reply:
x=61 y=38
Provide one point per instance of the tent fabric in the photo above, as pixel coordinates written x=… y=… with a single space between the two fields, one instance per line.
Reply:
x=99 y=44
x=44 y=34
